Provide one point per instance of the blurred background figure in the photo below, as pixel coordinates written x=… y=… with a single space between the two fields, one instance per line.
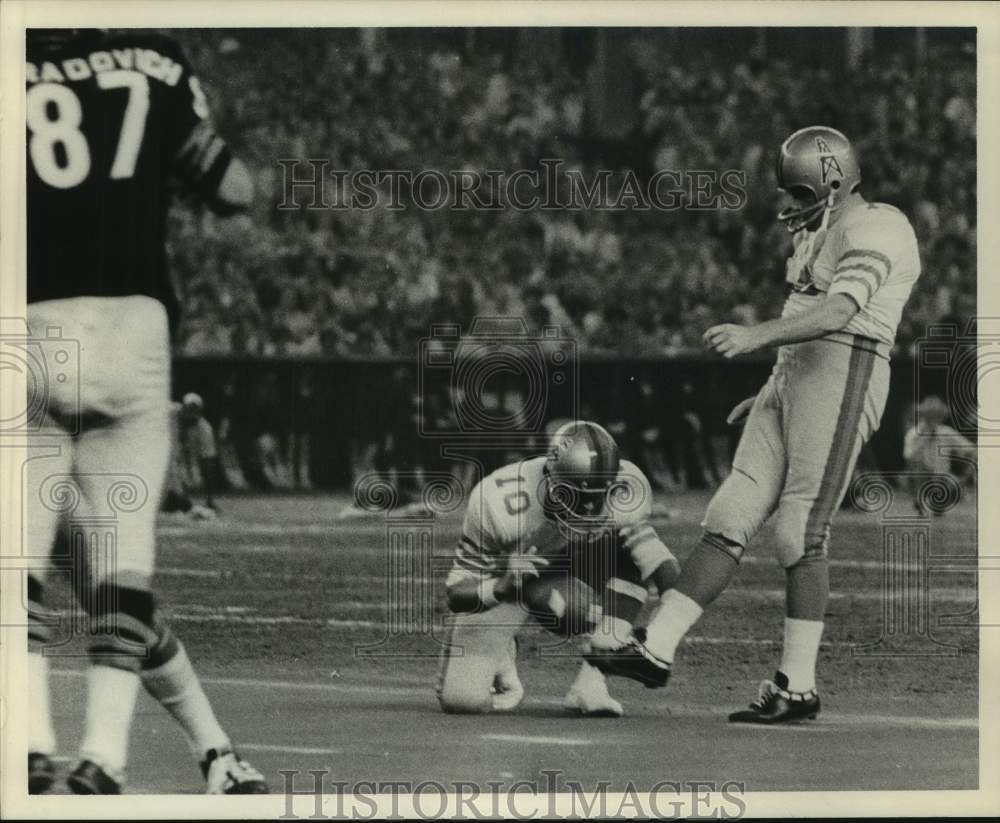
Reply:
x=932 y=446
x=198 y=453
x=175 y=496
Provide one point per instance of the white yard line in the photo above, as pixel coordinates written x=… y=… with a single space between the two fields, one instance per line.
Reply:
x=382 y=580
x=246 y=615
x=421 y=689
x=548 y=741
x=267 y=747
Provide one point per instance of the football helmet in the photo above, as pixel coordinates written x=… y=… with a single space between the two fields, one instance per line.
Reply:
x=581 y=467
x=817 y=166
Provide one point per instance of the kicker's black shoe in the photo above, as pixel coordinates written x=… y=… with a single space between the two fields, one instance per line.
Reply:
x=633 y=660
x=228 y=773
x=41 y=773
x=89 y=778
x=775 y=704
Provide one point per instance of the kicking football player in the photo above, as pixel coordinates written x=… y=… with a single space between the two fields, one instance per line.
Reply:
x=852 y=269
x=540 y=537
x=110 y=118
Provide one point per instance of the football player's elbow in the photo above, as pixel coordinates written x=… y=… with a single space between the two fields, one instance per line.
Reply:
x=235 y=192
x=839 y=310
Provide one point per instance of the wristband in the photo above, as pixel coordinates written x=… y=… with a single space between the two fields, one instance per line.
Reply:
x=487 y=592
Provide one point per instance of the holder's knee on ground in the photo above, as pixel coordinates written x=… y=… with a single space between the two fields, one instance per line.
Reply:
x=480 y=645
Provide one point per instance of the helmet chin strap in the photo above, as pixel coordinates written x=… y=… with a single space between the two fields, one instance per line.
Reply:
x=821 y=231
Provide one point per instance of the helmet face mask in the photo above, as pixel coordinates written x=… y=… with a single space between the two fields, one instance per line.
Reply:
x=574 y=501
x=806 y=212
x=581 y=468
x=817 y=166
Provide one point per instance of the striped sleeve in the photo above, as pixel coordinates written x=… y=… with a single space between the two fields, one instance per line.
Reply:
x=632 y=506
x=863 y=266
x=644 y=546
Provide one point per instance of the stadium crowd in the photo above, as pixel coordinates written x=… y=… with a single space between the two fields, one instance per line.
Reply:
x=372 y=281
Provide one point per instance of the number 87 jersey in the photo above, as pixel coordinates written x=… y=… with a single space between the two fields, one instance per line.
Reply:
x=109 y=120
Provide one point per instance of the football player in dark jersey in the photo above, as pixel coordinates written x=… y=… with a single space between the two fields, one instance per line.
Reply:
x=111 y=120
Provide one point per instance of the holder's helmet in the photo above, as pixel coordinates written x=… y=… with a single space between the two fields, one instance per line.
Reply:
x=817 y=166
x=582 y=466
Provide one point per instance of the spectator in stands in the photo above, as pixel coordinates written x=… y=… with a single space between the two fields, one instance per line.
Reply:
x=372 y=281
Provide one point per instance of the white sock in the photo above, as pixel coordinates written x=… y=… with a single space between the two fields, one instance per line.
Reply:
x=588 y=678
x=41 y=734
x=799 y=652
x=673 y=619
x=111 y=696
x=176 y=687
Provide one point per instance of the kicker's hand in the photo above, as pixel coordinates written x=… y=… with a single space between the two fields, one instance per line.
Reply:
x=730 y=339
x=740 y=411
x=521 y=567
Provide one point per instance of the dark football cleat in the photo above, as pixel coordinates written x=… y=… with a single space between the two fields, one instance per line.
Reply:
x=41 y=773
x=775 y=704
x=633 y=660
x=89 y=778
x=227 y=773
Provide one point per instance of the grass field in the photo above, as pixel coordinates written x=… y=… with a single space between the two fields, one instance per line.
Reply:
x=275 y=600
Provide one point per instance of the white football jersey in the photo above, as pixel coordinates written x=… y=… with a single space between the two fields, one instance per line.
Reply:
x=506 y=514
x=869 y=254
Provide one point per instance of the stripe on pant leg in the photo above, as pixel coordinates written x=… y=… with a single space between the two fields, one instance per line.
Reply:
x=838 y=461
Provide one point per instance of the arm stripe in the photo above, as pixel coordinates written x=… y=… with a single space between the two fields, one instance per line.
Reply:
x=638 y=535
x=851 y=278
x=861 y=267
x=472 y=566
x=627 y=588
x=469 y=556
x=868 y=255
